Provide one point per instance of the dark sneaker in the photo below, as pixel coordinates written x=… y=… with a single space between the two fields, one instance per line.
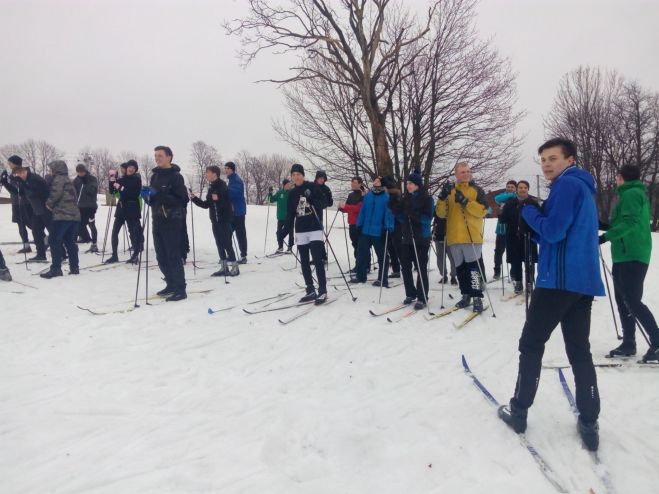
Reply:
x=242 y=260
x=233 y=269
x=321 y=299
x=496 y=275
x=624 y=350
x=409 y=300
x=514 y=417
x=310 y=296
x=279 y=250
x=652 y=355
x=419 y=305
x=111 y=260
x=517 y=287
x=377 y=283
x=478 y=305
x=134 y=259
x=443 y=280
x=165 y=292
x=355 y=280
x=74 y=271
x=464 y=302
x=175 y=297
x=51 y=273
x=25 y=250
x=5 y=275
x=395 y=274
x=38 y=258
x=590 y=434
x=93 y=249
x=454 y=281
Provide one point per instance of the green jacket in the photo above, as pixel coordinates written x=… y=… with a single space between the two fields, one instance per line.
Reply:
x=630 y=224
x=281 y=198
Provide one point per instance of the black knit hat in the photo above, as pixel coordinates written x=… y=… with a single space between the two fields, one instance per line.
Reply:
x=230 y=164
x=416 y=178
x=321 y=174
x=388 y=182
x=285 y=181
x=132 y=163
x=15 y=160
x=297 y=168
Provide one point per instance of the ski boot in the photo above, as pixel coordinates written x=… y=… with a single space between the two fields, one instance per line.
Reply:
x=223 y=271
x=478 y=305
x=625 y=350
x=51 y=273
x=589 y=434
x=134 y=259
x=514 y=417
x=232 y=269
x=280 y=250
x=38 y=258
x=420 y=305
x=652 y=355
x=377 y=283
x=311 y=295
x=497 y=274
x=25 y=250
x=355 y=281
x=74 y=271
x=321 y=298
x=464 y=302
x=395 y=275
x=242 y=260
x=165 y=292
x=5 y=275
x=176 y=296
x=517 y=287
x=454 y=280
x=112 y=259
x=93 y=249
x=408 y=300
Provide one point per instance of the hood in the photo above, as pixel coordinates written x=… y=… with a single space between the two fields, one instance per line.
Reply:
x=580 y=174
x=632 y=184
x=59 y=168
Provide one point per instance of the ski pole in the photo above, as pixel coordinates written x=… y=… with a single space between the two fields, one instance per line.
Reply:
x=345 y=236
x=107 y=228
x=22 y=225
x=333 y=220
x=354 y=299
x=418 y=266
x=384 y=264
x=146 y=277
x=267 y=222
x=480 y=270
x=608 y=290
x=194 y=251
x=444 y=262
x=139 y=264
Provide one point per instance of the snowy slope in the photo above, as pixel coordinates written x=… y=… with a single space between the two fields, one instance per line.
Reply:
x=170 y=399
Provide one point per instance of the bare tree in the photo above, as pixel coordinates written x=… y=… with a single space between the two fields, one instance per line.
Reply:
x=35 y=153
x=202 y=155
x=347 y=35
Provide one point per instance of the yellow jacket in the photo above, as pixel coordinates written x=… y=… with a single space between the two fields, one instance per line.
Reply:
x=474 y=212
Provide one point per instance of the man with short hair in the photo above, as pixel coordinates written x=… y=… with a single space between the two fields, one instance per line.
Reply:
x=305 y=202
x=168 y=199
x=500 y=242
x=631 y=248
x=36 y=191
x=283 y=228
x=127 y=211
x=86 y=186
x=568 y=279
x=237 y=194
x=20 y=209
x=464 y=207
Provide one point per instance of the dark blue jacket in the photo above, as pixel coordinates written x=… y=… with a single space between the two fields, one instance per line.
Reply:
x=566 y=230
x=237 y=195
x=375 y=215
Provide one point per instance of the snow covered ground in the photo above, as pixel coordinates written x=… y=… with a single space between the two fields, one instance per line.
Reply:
x=170 y=399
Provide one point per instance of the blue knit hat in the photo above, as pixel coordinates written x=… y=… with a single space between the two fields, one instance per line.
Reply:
x=415 y=177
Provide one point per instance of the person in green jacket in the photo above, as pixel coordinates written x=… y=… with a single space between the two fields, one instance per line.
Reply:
x=631 y=245
x=283 y=228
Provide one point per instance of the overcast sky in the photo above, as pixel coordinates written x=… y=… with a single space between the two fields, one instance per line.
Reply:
x=129 y=75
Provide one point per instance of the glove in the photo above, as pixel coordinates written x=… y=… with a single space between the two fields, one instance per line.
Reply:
x=602 y=238
x=116 y=185
x=460 y=198
x=271 y=189
x=147 y=192
x=603 y=226
x=446 y=191
x=4 y=175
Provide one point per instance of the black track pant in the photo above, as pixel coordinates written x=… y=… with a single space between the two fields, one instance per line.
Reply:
x=407 y=260
x=167 y=242
x=499 y=249
x=283 y=229
x=317 y=251
x=41 y=223
x=548 y=308
x=392 y=249
x=469 y=279
x=241 y=234
x=222 y=234
x=628 y=279
x=63 y=236
x=88 y=220
x=134 y=231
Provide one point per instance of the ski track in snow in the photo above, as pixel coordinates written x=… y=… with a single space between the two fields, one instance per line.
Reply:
x=169 y=399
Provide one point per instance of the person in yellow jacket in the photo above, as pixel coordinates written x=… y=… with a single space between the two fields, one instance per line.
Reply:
x=464 y=207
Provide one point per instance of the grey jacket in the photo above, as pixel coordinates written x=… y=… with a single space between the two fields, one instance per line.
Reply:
x=86 y=190
x=62 y=199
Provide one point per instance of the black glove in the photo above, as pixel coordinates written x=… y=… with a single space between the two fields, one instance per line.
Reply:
x=602 y=238
x=446 y=191
x=460 y=198
x=3 y=176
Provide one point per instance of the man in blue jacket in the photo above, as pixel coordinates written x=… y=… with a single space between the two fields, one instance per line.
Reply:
x=237 y=195
x=568 y=279
x=374 y=218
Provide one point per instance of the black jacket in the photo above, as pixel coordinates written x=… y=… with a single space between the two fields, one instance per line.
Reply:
x=86 y=191
x=21 y=211
x=128 y=205
x=36 y=192
x=170 y=202
x=300 y=207
x=416 y=210
x=511 y=216
x=220 y=211
x=327 y=198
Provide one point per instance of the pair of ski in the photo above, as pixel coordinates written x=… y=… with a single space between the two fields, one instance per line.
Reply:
x=405 y=315
x=549 y=473
x=152 y=298
x=457 y=325
x=269 y=308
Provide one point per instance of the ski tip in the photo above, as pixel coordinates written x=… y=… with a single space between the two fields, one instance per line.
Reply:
x=210 y=311
x=354 y=299
x=464 y=362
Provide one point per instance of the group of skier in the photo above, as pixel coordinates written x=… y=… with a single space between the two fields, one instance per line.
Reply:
x=399 y=227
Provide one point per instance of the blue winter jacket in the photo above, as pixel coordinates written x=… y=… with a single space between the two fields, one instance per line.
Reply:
x=375 y=215
x=237 y=195
x=566 y=230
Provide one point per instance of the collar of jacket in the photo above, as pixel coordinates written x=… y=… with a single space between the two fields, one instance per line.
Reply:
x=571 y=167
x=632 y=184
